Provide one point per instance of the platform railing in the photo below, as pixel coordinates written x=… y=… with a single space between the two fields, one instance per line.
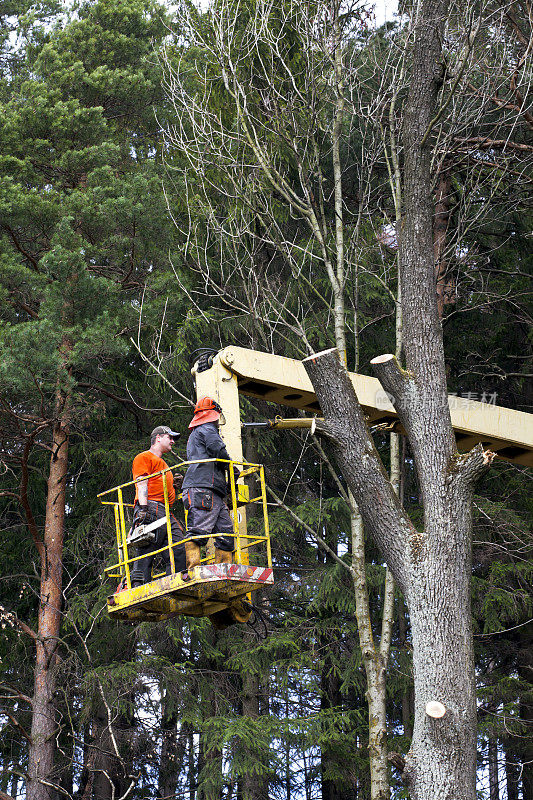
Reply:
x=239 y=495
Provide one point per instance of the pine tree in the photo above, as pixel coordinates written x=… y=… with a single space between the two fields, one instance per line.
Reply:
x=80 y=230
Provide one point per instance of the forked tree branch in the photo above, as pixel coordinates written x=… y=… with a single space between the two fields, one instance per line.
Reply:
x=356 y=455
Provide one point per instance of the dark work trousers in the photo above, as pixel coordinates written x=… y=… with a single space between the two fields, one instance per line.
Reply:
x=142 y=569
x=208 y=515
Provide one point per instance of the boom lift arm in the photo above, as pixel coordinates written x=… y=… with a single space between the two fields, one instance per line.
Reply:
x=282 y=380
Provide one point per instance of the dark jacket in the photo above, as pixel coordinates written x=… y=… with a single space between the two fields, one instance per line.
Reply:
x=205 y=442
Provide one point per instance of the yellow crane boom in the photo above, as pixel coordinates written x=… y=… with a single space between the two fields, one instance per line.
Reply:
x=284 y=380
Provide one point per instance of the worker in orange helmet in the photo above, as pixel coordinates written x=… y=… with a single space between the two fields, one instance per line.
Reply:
x=205 y=486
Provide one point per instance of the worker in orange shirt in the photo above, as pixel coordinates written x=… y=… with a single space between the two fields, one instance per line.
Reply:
x=150 y=505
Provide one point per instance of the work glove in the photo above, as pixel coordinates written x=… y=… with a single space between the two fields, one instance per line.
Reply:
x=141 y=512
x=178 y=480
x=236 y=473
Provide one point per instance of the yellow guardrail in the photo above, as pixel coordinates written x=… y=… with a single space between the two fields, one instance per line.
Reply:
x=239 y=497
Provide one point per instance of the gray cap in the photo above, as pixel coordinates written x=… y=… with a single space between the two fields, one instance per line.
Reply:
x=162 y=429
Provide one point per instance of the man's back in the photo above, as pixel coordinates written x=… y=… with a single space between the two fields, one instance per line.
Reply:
x=206 y=442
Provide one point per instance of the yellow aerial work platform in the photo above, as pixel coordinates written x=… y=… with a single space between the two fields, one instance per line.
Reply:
x=206 y=588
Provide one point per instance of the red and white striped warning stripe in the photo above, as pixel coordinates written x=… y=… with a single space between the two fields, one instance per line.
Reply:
x=241 y=572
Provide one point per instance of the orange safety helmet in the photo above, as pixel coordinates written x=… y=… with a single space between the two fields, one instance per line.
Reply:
x=205 y=410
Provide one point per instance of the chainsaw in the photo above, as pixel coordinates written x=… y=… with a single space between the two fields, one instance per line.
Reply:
x=144 y=534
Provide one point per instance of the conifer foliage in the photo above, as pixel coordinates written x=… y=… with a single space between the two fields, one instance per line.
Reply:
x=90 y=257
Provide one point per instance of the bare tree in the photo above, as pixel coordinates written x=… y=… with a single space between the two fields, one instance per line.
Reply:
x=302 y=106
x=287 y=126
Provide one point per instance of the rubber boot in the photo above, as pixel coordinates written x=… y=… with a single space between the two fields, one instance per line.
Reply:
x=192 y=554
x=223 y=556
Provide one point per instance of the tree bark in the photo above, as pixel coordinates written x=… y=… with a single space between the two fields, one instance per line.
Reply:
x=494 y=784
x=43 y=730
x=168 y=759
x=110 y=778
x=445 y=286
x=375 y=660
x=512 y=773
x=442 y=759
x=433 y=568
x=173 y=751
x=525 y=671
x=254 y=785
x=210 y=777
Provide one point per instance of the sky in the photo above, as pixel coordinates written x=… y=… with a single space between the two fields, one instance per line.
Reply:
x=385 y=10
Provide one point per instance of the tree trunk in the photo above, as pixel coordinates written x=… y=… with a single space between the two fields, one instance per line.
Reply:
x=15 y=784
x=375 y=663
x=4 y=777
x=210 y=777
x=85 y=787
x=494 y=784
x=109 y=775
x=191 y=775
x=288 y=781
x=169 y=762
x=432 y=568
x=254 y=785
x=442 y=759
x=525 y=671
x=44 y=725
x=445 y=287
x=512 y=773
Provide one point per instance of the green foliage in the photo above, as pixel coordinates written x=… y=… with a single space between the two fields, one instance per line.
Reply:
x=85 y=240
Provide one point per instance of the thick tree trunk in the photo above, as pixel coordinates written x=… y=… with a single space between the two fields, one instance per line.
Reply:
x=441 y=762
x=442 y=759
x=43 y=730
x=432 y=568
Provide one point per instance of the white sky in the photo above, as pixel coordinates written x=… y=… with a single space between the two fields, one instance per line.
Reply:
x=385 y=10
